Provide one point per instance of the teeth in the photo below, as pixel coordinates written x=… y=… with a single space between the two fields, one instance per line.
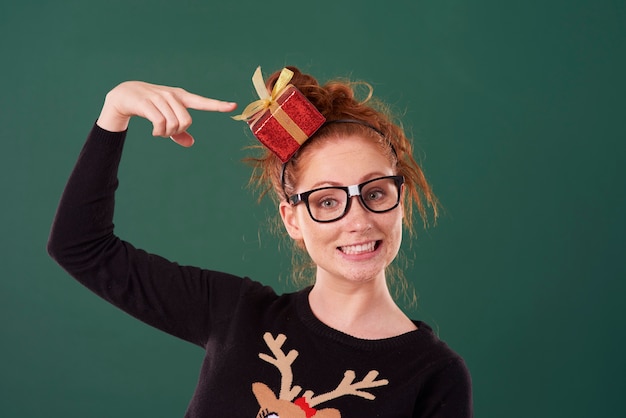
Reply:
x=358 y=249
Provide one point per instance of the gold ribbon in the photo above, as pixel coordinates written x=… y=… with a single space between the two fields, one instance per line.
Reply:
x=267 y=100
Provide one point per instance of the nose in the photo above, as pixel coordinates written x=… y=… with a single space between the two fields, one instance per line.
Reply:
x=357 y=217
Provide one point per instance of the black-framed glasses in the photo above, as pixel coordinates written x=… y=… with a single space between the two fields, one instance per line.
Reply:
x=329 y=204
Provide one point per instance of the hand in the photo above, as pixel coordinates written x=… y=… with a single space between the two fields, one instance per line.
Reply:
x=166 y=107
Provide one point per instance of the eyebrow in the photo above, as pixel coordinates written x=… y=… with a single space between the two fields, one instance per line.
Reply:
x=329 y=183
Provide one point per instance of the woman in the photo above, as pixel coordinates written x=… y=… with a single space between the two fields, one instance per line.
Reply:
x=339 y=348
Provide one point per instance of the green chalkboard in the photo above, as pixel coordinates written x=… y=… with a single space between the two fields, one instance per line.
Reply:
x=517 y=112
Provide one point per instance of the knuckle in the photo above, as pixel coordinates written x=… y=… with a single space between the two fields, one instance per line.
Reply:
x=185 y=121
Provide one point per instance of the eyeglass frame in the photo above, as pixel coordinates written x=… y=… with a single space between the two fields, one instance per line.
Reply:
x=351 y=191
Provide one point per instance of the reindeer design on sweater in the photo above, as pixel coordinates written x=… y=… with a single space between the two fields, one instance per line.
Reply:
x=284 y=405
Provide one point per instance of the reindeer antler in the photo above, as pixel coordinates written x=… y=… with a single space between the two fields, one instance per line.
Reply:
x=346 y=387
x=283 y=364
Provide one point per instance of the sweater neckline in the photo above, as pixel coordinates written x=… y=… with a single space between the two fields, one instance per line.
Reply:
x=316 y=326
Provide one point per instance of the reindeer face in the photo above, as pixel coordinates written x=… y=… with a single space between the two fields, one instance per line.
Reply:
x=271 y=407
x=281 y=406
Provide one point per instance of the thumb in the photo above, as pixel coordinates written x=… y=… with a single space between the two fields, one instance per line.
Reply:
x=184 y=139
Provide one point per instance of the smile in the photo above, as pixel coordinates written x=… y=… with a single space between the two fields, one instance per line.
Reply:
x=359 y=249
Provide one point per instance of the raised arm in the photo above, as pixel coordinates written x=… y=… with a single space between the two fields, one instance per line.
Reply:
x=168 y=296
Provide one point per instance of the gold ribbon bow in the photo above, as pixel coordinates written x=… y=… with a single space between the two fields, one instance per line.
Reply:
x=255 y=110
x=266 y=100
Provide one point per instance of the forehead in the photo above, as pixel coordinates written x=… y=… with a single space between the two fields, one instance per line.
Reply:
x=343 y=161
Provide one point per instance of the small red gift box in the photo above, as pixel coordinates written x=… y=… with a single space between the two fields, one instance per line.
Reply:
x=286 y=125
x=282 y=120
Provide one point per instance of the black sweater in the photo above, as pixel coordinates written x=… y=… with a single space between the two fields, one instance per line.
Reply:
x=265 y=353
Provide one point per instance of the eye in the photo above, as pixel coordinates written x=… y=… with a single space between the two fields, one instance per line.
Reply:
x=374 y=194
x=327 y=199
x=267 y=414
x=327 y=203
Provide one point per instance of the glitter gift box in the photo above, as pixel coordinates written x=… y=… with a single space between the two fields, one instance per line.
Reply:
x=282 y=120
x=284 y=127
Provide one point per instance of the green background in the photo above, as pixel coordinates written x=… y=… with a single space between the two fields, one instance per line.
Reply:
x=517 y=110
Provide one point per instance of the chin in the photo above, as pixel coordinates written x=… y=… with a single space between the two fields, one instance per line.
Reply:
x=363 y=276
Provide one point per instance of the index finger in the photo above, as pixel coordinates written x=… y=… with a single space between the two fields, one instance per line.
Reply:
x=197 y=102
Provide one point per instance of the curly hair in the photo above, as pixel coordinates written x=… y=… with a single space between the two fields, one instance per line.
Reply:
x=336 y=100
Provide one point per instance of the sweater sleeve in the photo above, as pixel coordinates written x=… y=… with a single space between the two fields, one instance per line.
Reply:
x=176 y=299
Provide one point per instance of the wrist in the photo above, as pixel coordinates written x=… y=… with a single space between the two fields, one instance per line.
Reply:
x=112 y=122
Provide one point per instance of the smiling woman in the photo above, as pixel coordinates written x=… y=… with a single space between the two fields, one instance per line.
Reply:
x=344 y=196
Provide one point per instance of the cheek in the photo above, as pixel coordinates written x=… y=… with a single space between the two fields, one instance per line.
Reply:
x=315 y=235
x=395 y=228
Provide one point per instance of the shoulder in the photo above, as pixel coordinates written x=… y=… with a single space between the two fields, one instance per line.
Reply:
x=447 y=384
x=434 y=352
x=258 y=300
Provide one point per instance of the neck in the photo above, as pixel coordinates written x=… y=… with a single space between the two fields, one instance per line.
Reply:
x=363 y=310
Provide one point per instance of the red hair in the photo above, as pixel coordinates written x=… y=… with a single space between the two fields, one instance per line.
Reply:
x=337 y=99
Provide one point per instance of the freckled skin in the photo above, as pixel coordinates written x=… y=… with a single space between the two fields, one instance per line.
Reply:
x=345 y=161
